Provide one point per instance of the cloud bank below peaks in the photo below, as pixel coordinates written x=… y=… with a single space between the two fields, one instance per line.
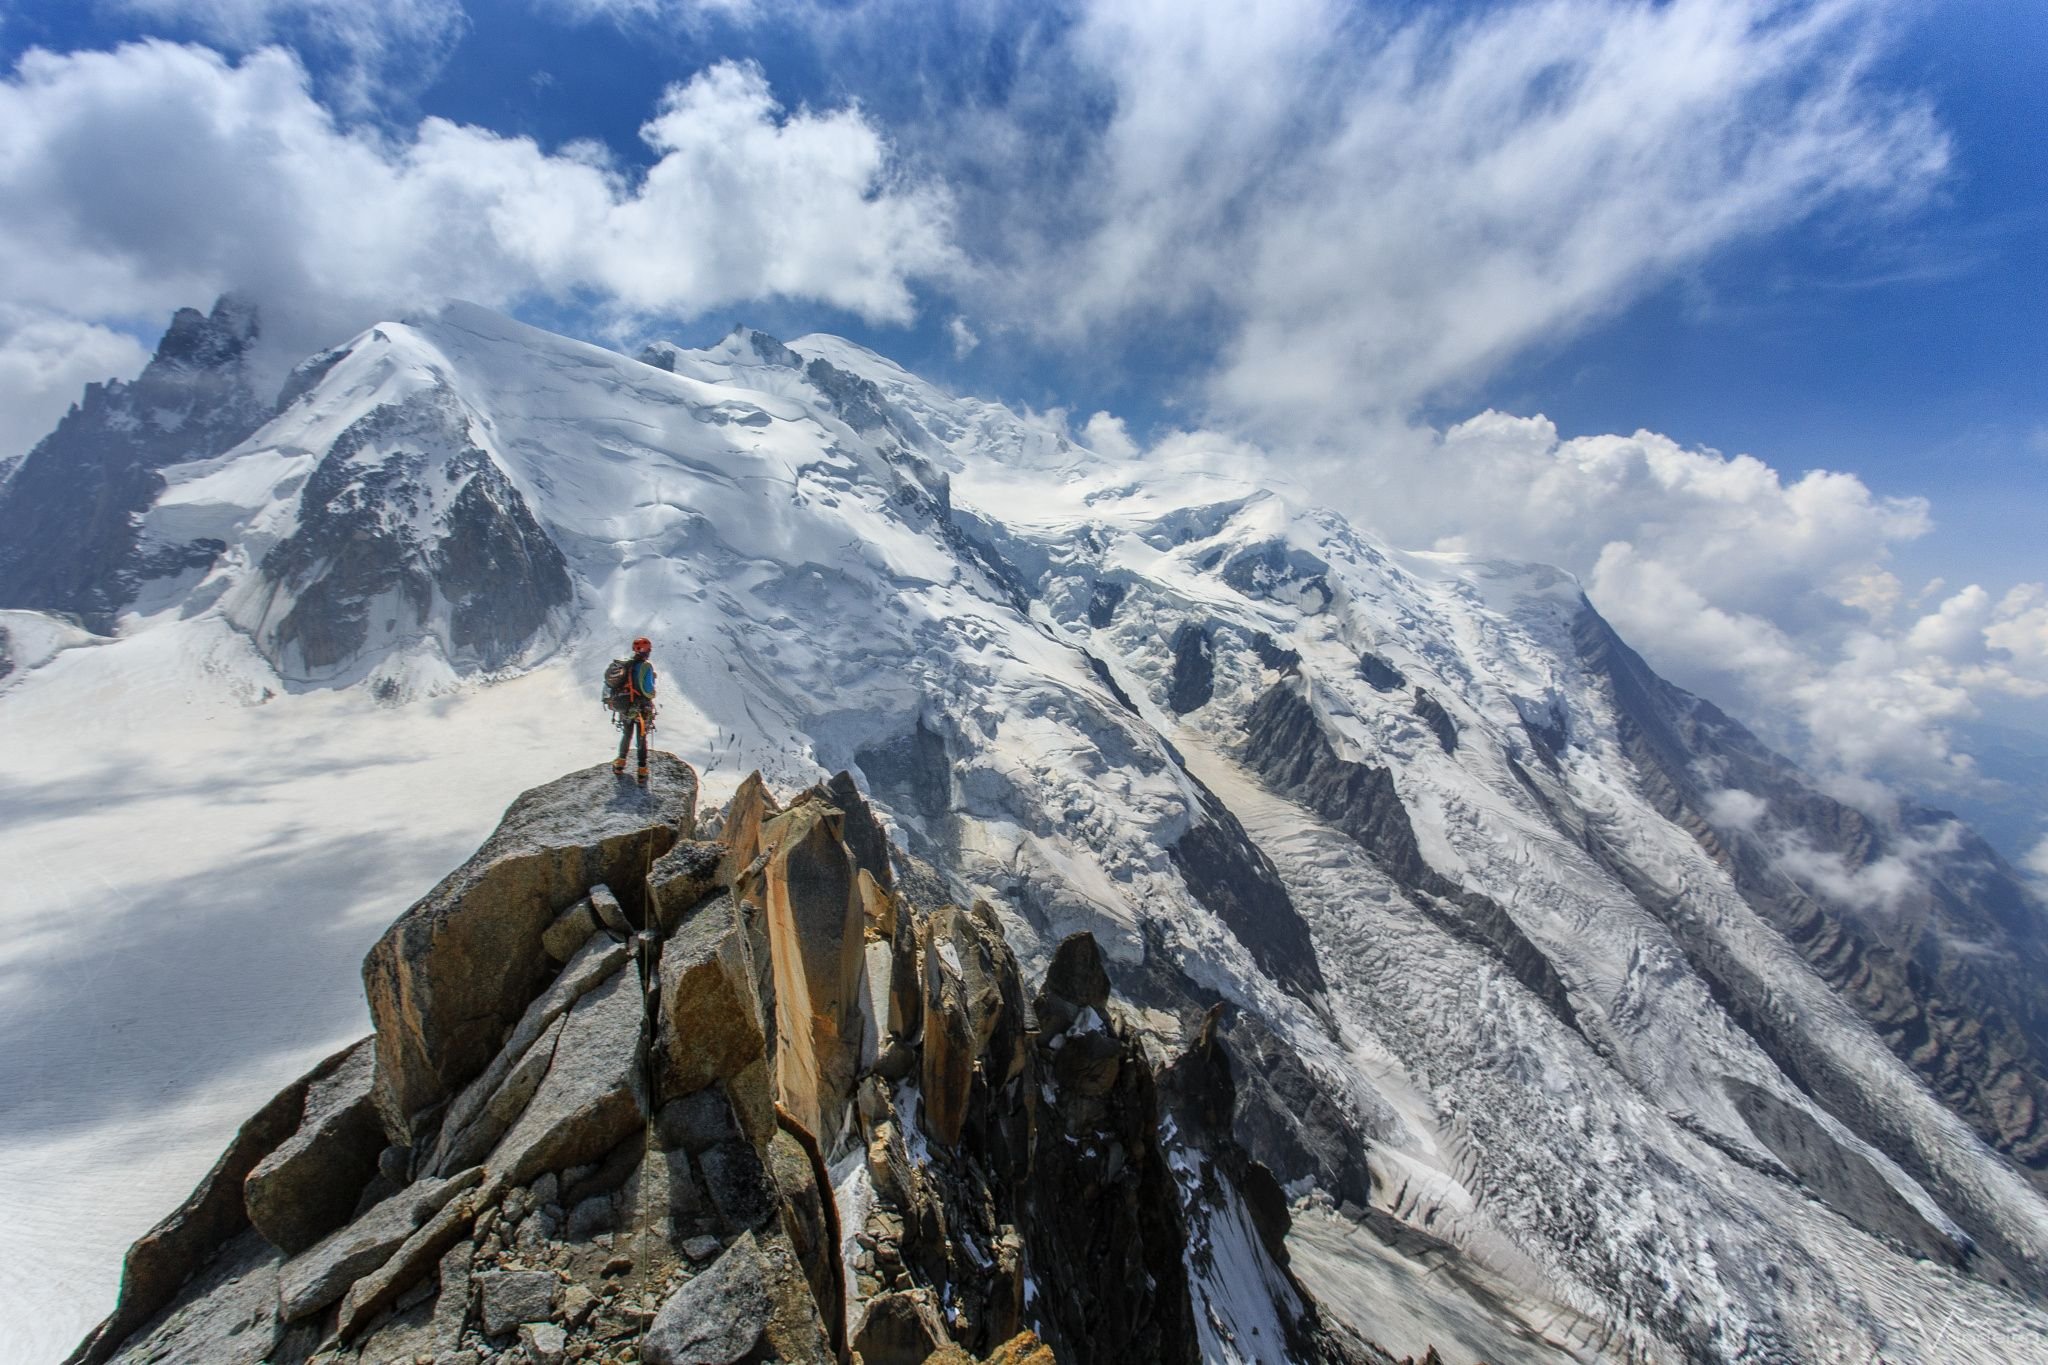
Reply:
x=140 y=179
x=1770 y=595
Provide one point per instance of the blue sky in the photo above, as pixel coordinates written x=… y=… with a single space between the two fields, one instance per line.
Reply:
x=1811 y=231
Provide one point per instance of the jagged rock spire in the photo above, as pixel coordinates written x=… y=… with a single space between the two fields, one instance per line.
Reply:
x=69 y=540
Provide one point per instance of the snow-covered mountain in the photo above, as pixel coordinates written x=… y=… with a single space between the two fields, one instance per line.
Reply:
x=1576 y=1023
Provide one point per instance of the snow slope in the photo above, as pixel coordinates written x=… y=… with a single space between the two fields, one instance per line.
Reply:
x=1067 y=679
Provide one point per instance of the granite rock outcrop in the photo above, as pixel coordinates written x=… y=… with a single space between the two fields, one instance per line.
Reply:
x=645 y=1088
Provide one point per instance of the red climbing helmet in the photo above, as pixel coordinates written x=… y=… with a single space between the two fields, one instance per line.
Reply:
x=643 y=645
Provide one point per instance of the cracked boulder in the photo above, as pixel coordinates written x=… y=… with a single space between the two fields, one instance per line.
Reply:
x=459 y=967
x=308 y=1186
x=711 y=1016
x=591 y=1096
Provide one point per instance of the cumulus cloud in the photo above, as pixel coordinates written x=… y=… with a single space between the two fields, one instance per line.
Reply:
x=1108 y=435
x=45 y=359
x=1880 y=885
x=2018 y=628
x=144 y=178
x=1733 y=808
x=1770 y=594
x=374 y=44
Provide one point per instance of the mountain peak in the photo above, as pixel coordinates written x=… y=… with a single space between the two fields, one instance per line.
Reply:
x=211 y=341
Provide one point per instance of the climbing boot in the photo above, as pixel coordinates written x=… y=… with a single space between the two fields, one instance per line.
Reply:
x=618 y=767
x=642 y=777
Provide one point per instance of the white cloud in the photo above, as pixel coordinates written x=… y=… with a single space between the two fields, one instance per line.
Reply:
x=1373 y=210
x=1954 y=631
x=962 y=336
x=375 y=43
x=2037 y=860
x=1879 y=885
x=684 y=12
x=1769 y=594
x=1733 y=808
x=140 y=179
x=1107 y=435
x=2019 y=628
x=45 y=359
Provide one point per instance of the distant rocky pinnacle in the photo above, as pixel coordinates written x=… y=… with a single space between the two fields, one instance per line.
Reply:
x=96 y=474
x=644 y=1090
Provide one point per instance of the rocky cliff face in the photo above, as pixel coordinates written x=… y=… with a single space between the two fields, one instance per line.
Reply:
x=649 y=1087
x=406 y=529
x=70 y=538
x=1946 y=969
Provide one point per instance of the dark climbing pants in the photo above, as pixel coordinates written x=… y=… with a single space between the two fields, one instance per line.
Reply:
x=635 y=724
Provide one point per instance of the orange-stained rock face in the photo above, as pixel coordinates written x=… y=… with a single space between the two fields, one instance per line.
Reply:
x=964 y=1008
x=878 y=907
x=815 y=927
x=750 y=808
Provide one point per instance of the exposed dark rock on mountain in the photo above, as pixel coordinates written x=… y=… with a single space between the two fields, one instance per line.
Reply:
x=1962 y=932
x=726 y=1101
x=1285 y=1119
x=69 y=517
x=403 y=520
x=1103 y=600
x=1103 y=1204
x=1383 y=676
x=1431 y=713
x=1281 y=572
x=307 y=374
x=859 y=403
x=913 y=769
x=1285 y=743
x=1273 y=656
x=1199 y=1091
x=1237 y=883
x=1547 y=723
x=1194 y=668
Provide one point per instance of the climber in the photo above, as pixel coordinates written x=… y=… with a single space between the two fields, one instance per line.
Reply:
x=629 y=691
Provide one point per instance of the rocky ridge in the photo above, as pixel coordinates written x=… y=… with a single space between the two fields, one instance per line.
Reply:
x=645 y=1087
x=100 y=470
